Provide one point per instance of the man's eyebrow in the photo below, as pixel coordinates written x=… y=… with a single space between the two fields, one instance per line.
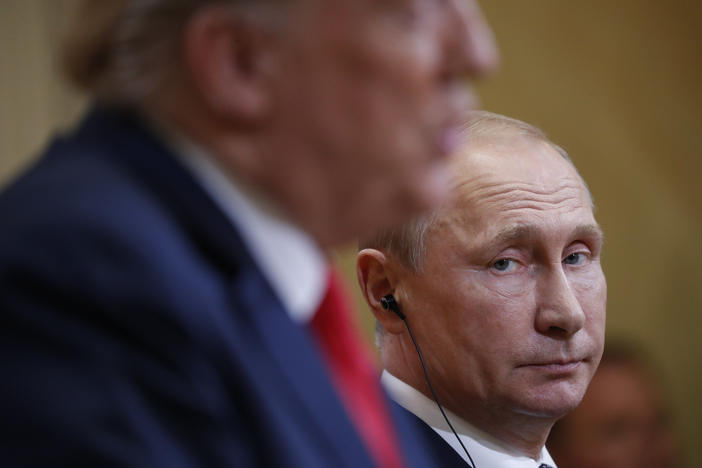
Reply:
x=521 y=232
x=511 y=234
x=591 y=231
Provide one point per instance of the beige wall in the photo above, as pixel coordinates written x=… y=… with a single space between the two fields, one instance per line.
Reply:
x=616 y=83
x=34 y=102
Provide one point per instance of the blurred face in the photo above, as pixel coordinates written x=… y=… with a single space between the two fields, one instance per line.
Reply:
x=509 y=307
x=369 y=96
x=621 y=423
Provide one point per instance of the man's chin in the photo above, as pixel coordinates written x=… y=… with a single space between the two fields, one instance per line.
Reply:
x=552 y=404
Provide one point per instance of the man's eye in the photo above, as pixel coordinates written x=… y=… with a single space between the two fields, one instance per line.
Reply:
x=504 y=264
x=574 y=259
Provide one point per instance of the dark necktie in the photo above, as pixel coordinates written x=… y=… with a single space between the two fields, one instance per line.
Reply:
x=354 y=375
x=544 y=465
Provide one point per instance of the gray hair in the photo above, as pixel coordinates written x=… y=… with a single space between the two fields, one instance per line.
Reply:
x=121 y=51
x=407 y=242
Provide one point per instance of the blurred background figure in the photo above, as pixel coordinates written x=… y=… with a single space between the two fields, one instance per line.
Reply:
x=165 y=295
x=623 y=420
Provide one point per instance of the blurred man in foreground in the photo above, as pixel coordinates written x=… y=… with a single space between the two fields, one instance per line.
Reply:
x=623 y=420
x=164 y=293
x=503 y=290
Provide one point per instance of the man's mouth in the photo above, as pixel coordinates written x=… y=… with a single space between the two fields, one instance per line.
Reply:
x=557 y=366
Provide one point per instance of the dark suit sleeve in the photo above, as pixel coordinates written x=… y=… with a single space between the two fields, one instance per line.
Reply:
x=107 y=353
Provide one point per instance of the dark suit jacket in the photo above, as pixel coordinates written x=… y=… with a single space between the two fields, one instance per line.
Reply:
x=136 y=330
x=444 y=455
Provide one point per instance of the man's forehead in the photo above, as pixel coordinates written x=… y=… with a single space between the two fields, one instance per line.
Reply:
x=509 y=153
x=497 y=203
x=501 y=166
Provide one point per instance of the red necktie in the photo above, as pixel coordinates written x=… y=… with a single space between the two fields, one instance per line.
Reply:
x=354 y=375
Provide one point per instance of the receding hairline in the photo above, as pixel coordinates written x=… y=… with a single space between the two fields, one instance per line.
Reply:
x=483 y=127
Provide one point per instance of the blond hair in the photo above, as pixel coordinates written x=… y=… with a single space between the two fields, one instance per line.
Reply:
x=122 y=50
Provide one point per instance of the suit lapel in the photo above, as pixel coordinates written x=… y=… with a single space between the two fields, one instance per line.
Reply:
x=444 y=455
x=417 y=445
x=298 y=366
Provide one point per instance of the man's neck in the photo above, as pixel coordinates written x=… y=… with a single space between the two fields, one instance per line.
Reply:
x=518 y=433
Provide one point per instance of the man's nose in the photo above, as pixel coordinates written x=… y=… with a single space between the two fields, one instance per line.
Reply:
x=472 y=51
x=559 y=313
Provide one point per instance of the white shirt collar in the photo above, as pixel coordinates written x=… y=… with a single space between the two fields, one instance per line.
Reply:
x=485 y=449
x=291 y=261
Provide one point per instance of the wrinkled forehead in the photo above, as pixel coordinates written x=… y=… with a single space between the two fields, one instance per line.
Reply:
x=517 y=181
x=504 y=165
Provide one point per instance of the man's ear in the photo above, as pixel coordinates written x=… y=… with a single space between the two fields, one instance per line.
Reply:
x=226 y=55
x=375 y=277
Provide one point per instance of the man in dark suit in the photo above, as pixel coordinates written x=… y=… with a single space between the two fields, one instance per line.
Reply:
x=164 y=296
x=503 y=290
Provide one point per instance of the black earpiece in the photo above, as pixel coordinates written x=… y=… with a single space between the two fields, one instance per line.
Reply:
x=389 y=303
